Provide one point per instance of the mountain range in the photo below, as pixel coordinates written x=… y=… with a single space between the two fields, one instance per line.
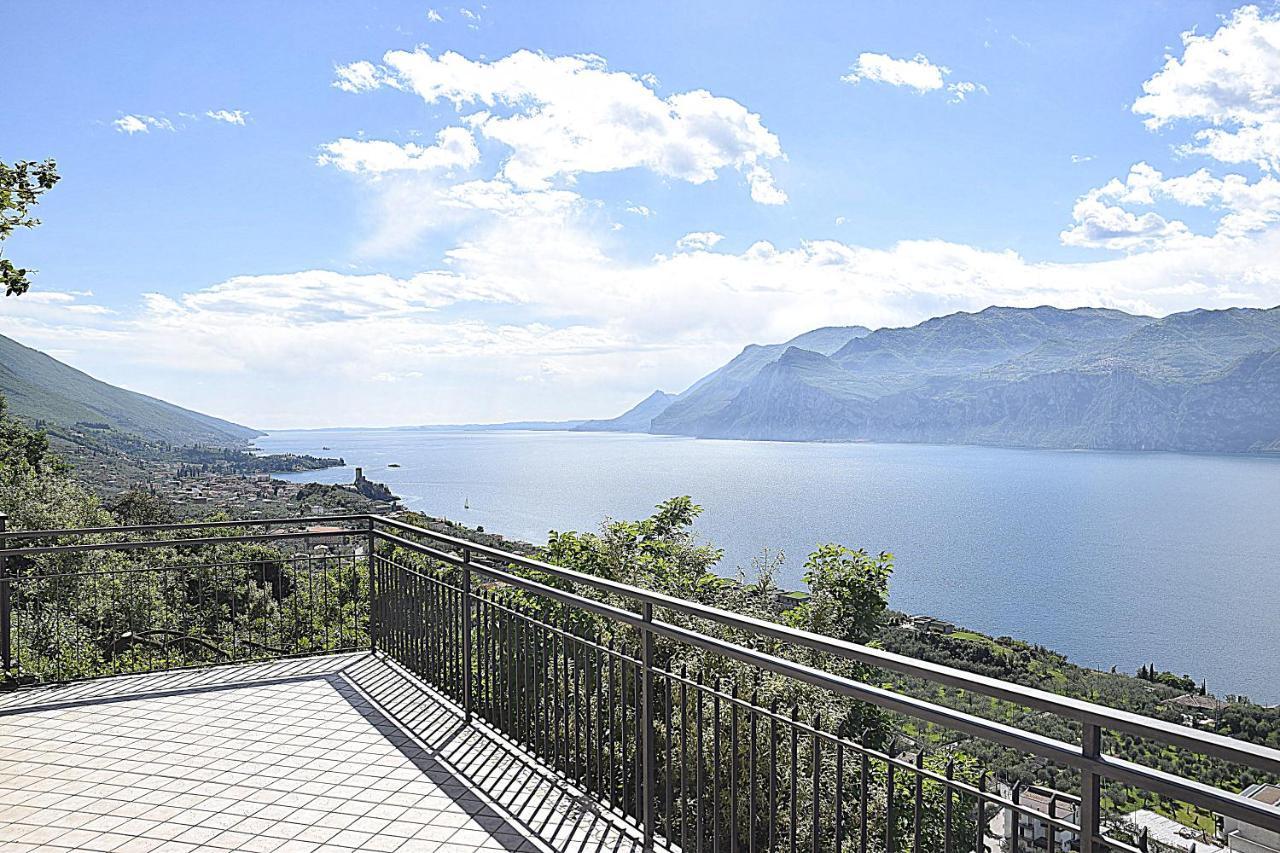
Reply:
x=42 y=389
x=1090 y=378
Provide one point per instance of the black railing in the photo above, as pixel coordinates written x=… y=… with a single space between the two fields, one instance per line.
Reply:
x=652 y=703
x=72 y=608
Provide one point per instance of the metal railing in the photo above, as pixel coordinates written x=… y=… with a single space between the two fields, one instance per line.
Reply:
x=71 y=608
x=654 y=704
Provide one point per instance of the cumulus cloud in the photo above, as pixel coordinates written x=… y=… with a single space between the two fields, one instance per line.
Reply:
x=1230 y=80
x=696 y=240
x=917 y=73
x=228 y=116
x=434 y=17
x=455 y=148
x=132 y=124
x=563 y=116
x=1100 y=225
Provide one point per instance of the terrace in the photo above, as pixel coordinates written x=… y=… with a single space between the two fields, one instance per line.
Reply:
x=357 y=683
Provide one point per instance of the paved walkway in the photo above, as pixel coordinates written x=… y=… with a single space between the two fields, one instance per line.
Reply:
x=335 y=754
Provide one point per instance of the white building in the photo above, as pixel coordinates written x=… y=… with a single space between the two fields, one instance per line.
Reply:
x=1244 y=838
x=1033 y=832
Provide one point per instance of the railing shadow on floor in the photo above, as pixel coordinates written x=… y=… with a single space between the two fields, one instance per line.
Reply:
x=479 y=769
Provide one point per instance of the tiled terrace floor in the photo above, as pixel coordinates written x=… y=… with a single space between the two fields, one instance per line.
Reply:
x=335 y=754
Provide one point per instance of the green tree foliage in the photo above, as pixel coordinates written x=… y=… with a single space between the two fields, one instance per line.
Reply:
x=84 y=614
x=848 y=593
x=21 y=186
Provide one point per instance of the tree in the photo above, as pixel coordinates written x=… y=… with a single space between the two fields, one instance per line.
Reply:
x=21 y=186
x=848 y=593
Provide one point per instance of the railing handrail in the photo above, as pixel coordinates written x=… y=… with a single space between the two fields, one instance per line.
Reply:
x=52 y=533
x=1148 y=778
x=1230 y=749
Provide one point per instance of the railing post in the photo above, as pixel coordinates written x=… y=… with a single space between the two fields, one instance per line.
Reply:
x=1090 y=792
x=466 y=633
x=6 y=650
x=373 y=598
x=648 y=745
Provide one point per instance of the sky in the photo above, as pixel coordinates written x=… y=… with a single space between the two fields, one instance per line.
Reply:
x=390 y=213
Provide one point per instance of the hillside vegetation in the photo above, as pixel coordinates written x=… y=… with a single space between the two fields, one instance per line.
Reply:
x=43 y=390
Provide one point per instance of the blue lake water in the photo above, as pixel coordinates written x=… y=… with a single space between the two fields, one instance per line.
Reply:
x=1111 y=558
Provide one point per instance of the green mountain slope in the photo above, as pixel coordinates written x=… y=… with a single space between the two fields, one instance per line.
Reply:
x=40 y=388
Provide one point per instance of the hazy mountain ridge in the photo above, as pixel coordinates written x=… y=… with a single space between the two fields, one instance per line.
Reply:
x=688 y=411
x=636 y=419
x=41 y=388
x=1041 y=377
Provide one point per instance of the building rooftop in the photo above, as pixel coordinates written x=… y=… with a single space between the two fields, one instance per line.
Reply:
x=336 y=753
x=1264 y=793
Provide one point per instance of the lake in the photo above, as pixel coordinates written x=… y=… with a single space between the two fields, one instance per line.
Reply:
x=1110 y=558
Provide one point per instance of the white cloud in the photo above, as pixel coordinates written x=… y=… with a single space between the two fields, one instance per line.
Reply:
x=963 y=89
x=1081 y=158
x=132 y=124
x=1229 y=80
x=567 y=115
x=1100 y=225
x=455 y=148
x=917 y=73
x=228 y=116
x=639 y=210
x=434 y=17
x=699 y=240
x=360 y=76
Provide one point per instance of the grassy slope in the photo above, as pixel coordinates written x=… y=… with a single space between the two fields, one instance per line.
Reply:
x=40 y=388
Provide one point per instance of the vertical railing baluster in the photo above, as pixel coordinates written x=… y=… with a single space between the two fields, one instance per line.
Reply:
x=1090 y=791
x=6 y=605
x=817 y=773
x=1051 y=831
x=699 y=786
x=715 y=765
x=948 y=806
x=667 y=737
x=864 y=786
x=890 y=812
x=731 y=824
x=794 y=826
x=1015 y=817
x=839 y=800
x=773 y=775
x=918 y=817
x=373 y=587
x=980 y=830
x=752 y=721
x=466 y=634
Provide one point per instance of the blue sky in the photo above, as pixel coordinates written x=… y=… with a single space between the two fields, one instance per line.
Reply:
x=388 y=213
